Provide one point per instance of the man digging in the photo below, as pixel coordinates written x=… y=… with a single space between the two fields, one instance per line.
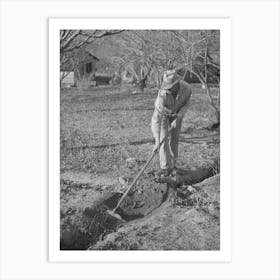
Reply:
x=170 y=107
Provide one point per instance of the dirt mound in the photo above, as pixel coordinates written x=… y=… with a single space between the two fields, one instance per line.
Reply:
x=193 y=225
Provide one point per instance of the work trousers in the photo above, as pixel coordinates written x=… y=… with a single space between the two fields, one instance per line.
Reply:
x=168 y=152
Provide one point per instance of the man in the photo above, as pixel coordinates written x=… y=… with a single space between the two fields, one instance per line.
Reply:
x=170 y=107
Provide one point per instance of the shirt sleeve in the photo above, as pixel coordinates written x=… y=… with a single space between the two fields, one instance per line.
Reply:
x=183 y=111
x=185 y=106
x=156 y=124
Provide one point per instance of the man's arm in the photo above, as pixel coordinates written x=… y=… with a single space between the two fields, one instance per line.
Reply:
x=183 y=110
x=156 y=126
x=160 y=111
x=185 y=106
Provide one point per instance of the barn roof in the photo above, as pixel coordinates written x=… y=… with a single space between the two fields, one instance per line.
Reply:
x=86 y=56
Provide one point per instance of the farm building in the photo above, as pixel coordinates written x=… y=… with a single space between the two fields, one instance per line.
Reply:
x=79 y=70
x=102 y=79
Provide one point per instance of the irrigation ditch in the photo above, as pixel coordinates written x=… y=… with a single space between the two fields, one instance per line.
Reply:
x=83 y=227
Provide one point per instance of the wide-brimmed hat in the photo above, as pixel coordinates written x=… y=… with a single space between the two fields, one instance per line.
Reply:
x=170 y=78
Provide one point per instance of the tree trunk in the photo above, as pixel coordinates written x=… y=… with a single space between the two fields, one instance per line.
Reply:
x=185 y=75
x=83 y=79
x=158 y=79
x=142 y=83
x=157 y=76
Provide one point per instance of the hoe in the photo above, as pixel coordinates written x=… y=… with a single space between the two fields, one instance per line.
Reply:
x=113 y=212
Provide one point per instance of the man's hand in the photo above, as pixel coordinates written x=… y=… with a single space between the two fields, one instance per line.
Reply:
x=173 y=115
x=156 y=146
x=173 y=124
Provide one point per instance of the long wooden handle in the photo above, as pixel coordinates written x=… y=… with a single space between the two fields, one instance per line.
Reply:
x=141 y=171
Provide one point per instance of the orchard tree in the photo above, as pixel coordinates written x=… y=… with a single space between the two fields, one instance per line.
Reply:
x=199 y=47
x=73 y=45
x=135 y=56
x=145 y=54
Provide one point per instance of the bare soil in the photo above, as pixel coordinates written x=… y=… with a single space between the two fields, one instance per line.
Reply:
x=188 y=220
x=105 y=140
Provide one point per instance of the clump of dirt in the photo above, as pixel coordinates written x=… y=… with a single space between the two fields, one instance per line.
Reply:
x=197 y=198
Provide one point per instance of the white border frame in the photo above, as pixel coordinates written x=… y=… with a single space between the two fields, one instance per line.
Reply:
x=55 y=255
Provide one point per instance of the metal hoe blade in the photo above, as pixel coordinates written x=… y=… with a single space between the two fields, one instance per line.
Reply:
x=115 y=215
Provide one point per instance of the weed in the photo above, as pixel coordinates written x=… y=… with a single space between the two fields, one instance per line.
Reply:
x=215 y=166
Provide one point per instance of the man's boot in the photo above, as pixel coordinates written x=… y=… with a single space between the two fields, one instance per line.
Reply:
x=164 y=173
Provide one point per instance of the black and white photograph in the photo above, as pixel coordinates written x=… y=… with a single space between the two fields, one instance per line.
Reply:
x=136 y=162
x=140 y=139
